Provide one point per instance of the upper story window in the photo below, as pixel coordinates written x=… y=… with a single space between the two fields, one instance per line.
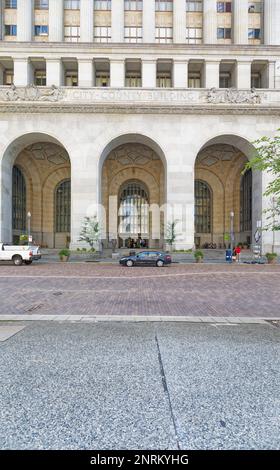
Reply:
x=41 y=4
x=10 y=3
x=71 y=33
x=224 y=7
x=194 y=35
x=164 y=35
x=133 y=5
x=41 y=30
x=10 y=30
x=254 y=33
x=224 y=33
x=132 y=34
x=255 y=7
x=71 y=4
x=164 y=5
x=194 y=5
x=102 y=33
x=102 y=4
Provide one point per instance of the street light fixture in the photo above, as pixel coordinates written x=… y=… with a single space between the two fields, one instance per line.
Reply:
x=29 y=227
x=231 y=230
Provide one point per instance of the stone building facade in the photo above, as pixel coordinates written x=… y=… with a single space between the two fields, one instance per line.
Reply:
x=139 y=112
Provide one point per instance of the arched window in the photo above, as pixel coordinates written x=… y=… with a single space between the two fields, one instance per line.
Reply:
x=203 y=207
x=63 y=207
x=134 y=209
x=246 y=202
x=19 y=200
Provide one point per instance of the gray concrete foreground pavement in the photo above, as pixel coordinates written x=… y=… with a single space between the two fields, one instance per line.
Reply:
x=140 y=386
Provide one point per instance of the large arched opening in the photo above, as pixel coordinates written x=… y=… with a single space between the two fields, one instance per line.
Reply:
x=226 y=205
x=36 y=179
x=133 y=192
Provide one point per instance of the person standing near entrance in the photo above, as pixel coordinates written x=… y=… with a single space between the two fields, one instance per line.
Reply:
x=238 y=251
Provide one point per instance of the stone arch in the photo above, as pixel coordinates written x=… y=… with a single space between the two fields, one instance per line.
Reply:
x=225 y=157
x=18 y=151
x=131 y=157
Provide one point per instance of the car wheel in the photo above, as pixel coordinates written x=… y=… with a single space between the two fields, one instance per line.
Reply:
x=129 y=263
x=28 y=262
x=160 y=263
x=17 y=260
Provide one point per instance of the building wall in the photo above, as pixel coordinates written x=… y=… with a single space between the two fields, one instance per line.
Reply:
x=178 y=140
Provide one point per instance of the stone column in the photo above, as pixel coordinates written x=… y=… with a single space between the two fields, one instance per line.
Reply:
x=240 y=20
x=179 y=21
x=22 y=72
x=212 y=74
x=243 y=74
x=148 y=21
x=180 y=203
x=180 y=74
x=2 y=70
x=56 y=20
x=86 y=76
x=86 y=21
x=54 y=71
x=270 y=75
x=117 y=16
x=149 y=73
x=210 y=22
x=117 y=73
x=24 y=20
x=277 y=74
x=271 y=22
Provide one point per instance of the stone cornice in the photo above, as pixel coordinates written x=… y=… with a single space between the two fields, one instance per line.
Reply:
x=34 y=48
x=66 y=108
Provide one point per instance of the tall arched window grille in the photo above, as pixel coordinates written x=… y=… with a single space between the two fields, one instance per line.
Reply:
x=134 y=209
x=203 y=207
x=18 y=200
x=246 y=202
x=63 y=207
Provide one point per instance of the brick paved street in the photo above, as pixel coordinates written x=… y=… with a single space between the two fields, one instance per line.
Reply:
x=179 y=290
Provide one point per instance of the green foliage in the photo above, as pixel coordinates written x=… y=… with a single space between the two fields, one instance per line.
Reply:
x=171 y=234
x=271 y=256
x=90 y=232
x=198 y=254
x=23 y=238
x=64 y=252
x=267 y=159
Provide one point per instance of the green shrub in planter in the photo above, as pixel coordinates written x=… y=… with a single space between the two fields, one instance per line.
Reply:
x=271 y=258
x=64 y=254
x=198 y=254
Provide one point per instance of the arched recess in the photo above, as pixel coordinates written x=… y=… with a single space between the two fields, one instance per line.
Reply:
x=39 y=155
x=224 y=158
x=131 y=157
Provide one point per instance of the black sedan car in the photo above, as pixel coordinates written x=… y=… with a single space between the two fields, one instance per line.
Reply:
x=146 y=258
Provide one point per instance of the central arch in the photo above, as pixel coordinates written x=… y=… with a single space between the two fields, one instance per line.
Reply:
x=127 y=159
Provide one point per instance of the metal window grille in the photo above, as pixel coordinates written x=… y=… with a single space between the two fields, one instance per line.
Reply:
x=18 y=200
x=63 y=207
x=246 y=202
x=134 y=209
x=203 y=207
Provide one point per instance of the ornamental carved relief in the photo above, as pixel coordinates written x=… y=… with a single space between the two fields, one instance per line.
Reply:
x=232 y=95
x=49 y=152
x=133 y=154
x=216 y=153
x=31 y=93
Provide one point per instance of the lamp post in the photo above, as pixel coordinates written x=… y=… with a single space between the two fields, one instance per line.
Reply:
x=29 y=227
x=231 y=230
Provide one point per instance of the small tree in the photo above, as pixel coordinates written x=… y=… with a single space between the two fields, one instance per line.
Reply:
x=268 y=159
x=90 y=232
x=171 y=234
